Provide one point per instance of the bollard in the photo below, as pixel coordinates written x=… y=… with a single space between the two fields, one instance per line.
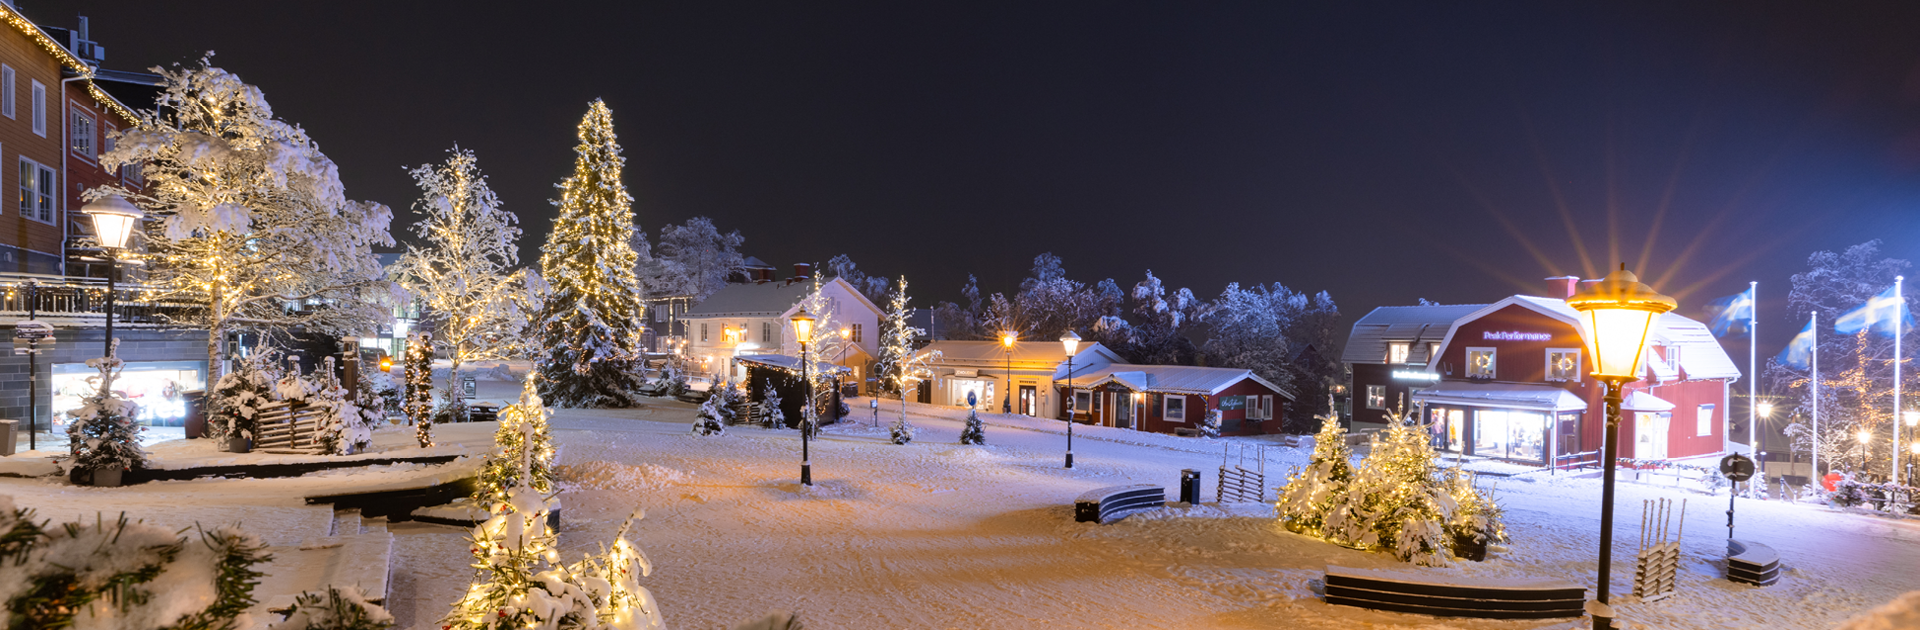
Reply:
x=1190 y=486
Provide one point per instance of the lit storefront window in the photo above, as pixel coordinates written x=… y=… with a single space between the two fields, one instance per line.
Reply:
x=156 y=386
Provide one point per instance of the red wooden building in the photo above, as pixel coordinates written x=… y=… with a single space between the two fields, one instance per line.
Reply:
x=1173 y=398
x=1509 y=380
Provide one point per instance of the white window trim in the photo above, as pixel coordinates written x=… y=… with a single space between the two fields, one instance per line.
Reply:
x=1369 y=394
x=1493 y=364
x=39 y=107
x=1703 y=419
x=54 y=196
x=93 y=135
x=1576 y=365
x=1167 y=404
x=9 y=94
x=1405 y=348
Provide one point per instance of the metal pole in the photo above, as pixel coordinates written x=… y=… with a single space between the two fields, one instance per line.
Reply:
x=1753 y=373
x=806 y=458
x=110 y=270
x=1813 y=332
x=1606 y=498
x=1006 y=400
x=1071 y=401
x=1899 y=321
x=33 y=370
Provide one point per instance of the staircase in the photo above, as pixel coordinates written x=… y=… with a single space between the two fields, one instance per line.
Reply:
x=358 y=552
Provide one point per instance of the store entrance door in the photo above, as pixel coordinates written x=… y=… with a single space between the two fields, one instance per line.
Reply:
x=1028 y=401
x=1123 y=410
x=1650 y=435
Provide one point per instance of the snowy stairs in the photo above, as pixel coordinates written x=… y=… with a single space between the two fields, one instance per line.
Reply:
x=359 y=553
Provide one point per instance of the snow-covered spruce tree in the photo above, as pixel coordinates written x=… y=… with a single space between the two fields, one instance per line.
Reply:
x=710 y=418
x=123 y=575
x=101 y=433
x=336 y=609
x=520 y=582
x=1310 y=493
x=239 y=395
x=253 y=230
x=694 y=259
x=589 y=329
x=1210 y=424
x=771 y=416
x=463 y=275
x=418 y=400
x=344 y=429
x=901 y=368
x=974 y=433
x=522 y=454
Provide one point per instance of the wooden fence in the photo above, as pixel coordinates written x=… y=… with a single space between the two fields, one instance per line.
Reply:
x=291 y=427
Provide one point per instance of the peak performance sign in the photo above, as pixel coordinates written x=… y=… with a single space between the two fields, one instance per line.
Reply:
x=1514 y=335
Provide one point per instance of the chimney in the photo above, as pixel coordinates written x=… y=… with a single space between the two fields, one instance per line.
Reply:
x=802 y=271
x=1562 y=287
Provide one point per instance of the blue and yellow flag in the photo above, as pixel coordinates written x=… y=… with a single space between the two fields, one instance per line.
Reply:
x=1732 y=313
x=1881 y=313
x=1800 y=349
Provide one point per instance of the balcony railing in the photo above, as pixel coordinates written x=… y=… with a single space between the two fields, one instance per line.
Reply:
x=65 y=297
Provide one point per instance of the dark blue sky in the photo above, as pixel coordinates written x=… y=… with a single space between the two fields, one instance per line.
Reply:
x=1382 y=152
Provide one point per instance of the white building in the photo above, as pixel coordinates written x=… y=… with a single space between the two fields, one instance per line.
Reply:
x=756 y=318
x=989 y=370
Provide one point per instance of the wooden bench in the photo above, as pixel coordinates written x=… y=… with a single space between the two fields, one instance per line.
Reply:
x=1186 y=432
x=1113 y=503
x=1750 y=562
x=1453 y=596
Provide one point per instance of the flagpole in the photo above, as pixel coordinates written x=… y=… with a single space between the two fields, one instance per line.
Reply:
x=1899 y=311
x=1753 y=363
x=1813 y=339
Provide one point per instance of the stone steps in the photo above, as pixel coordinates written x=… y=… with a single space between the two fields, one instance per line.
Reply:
x=358 y=553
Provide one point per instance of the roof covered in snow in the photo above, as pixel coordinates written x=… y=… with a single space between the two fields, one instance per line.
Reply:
x=764 y=299
x=1417 y=324
x=1509 y=395
x=990 y=354
x=1173 y=379
x=787 y=362
x=1701 y=355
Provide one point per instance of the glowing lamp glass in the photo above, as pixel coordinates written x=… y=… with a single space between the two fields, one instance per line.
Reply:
x=1766 y=409
x=113 y=220
x=802 y=326
x=1864 y=437
x=1007 y=339
x=1913 y=418
x=1618 y=312
x=1070 y=341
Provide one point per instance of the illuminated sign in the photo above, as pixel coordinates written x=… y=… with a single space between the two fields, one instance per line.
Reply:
x=1513 y=335
x=1412 y=375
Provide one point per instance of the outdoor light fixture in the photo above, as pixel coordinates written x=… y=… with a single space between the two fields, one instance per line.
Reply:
x=1765 y=409
x=803 y=332
x=386 y=364
x=1617 y=312
x=1913 y=418
x=1864 y=436
x=113 y=220
x=1070 y=342
x=1006 y=399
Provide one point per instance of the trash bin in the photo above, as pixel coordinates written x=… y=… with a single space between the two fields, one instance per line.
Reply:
x=1190 y=486
x=196 y=413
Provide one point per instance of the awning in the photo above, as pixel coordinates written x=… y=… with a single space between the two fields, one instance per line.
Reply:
x=786 y=362
x=1501 y=395
x=1642 y=401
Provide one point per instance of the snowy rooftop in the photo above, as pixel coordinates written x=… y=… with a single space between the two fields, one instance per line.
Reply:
x=1173 y=379
x=990 y=353
x=1368 y=341
x=768 y=299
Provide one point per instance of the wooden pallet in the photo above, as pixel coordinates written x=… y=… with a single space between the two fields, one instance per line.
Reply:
x=289 y=427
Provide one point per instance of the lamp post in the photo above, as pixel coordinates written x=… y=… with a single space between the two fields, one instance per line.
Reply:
x=1864 y=436
x=1617 y=312
x=1913 y=447
x=113 y=219
x=846 y=337
x=803 y=332
x=1006 y=342
x=1071 y=342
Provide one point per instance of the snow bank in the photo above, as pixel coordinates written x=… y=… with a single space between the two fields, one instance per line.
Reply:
x=1903 y=613
x=605 y=475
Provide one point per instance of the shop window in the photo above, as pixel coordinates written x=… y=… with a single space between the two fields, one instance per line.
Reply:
x=1397 y=351
x=1563 y=365
x=155 y=387
x=1480 y=363
x=1376 y=397
x=1704 y=425
x=1176 y=409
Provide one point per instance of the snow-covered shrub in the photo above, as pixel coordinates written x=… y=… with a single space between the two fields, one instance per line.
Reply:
x=520 y=582
x=240 y=394
x=773 y=621
x=336 y=609
x=523 y=454
x=974 y=432
x=1210 y=424
x=452 y=411
x=379 y=397
x=101 y=433
x=344 y=428
x=902 y=431
x=1847 y=493
x=122 y=575
x=712 y=417
x=770 y=414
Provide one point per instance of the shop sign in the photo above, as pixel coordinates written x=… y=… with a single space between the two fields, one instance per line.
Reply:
x=1414 y=375
x=1514 y=335
x=1230 y=403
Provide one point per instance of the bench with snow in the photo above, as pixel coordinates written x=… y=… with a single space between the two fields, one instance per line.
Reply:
x=1113 y=503
x=1453 y=596
x=1186 y=432
x=1752 y=563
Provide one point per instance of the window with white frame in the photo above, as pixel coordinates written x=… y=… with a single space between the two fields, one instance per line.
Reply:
x=1260 y=407
x=1563 y=365
x=1082 y=401
x=1397 y=351
x=39 y=109
x=107 y=142
x=703 y=331
x=7 y=94
x=36 y=191
x=1704 y=423
x=856 y=334
x=1480 y=362
x=766 y=332
x=1376 y=397
x=1176 y=409
x=80 y=134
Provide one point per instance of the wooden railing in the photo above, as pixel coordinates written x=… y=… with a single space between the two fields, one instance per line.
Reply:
x=285 y=426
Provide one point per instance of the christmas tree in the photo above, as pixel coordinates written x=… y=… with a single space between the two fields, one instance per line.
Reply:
x=1310 y=492
x=418 y=402
x=102 y=433
x=710 y=419
x=973 y=433
x=241 y=393
x=590 y=328
x=523 y=450
x=771 y=416
x=901 y=369
x=521 y=583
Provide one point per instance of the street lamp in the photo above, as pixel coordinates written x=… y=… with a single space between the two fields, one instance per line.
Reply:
x=846 y=336
x=1006 y=341
x=1864 y=436
x=1071 y=342
x=113 y=220
x=803 y=332
x=1617 y=312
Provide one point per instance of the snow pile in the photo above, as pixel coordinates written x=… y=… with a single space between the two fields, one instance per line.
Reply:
x=1902 y=613
x=604 y=475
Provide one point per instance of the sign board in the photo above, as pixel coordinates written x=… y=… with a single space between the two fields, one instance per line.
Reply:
x=1230 y=403
x=468 y=388
x=972 y=399
x=31 y=336
x=1736 y=467
x=966 y=373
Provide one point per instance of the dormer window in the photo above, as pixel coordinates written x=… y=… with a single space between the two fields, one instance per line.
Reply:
x=1397 y=351
x=1480 y=363
x=1563 y=365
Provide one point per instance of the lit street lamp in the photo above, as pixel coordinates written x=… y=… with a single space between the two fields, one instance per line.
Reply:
x=113 y=221
x=1864 y=436
x=1071 y=342
x=803 y=332
x=1006 y=341
x=1617 y=312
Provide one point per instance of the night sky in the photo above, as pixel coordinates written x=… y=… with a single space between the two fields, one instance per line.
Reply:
x=1453 y=151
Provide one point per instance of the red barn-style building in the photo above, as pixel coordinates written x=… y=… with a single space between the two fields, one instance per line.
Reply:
x=1175 y=398
x=1511 y=380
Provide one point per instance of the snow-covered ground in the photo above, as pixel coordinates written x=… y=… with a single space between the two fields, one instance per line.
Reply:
x=938 y=535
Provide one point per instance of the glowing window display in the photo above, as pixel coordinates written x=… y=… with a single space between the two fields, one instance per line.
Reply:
x=156 y=386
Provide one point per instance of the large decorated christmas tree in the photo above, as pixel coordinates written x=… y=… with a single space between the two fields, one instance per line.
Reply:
x=590 y=328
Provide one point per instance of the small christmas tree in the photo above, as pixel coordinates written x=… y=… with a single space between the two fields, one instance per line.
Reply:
x=1310 y=492
x=902 y=431
x=523 y=450
x=771 y=415
x=974 y=433
x=418 y=402
x=521 y=583
x=708 y=421
x=102 y=433
x=239 y=395
x=345 y=429
x=1210 y=424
